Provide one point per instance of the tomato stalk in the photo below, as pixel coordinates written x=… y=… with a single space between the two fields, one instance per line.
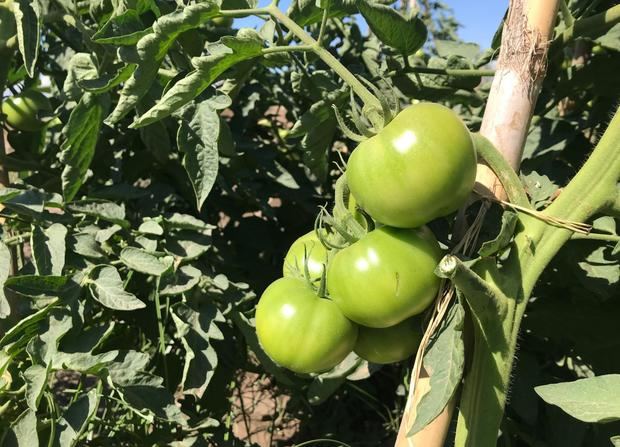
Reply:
x=535 y=245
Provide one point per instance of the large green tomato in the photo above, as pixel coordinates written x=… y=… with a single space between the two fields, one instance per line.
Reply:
x=310 y=246
x=421 y=166
x=300 y=330
x=22 y=110
x=390 y=344
x=385 y=277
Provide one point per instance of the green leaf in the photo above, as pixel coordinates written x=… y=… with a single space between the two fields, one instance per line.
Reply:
x=82 y=132
x=188 y=245
x=100 y=209
x=223 y=55
x=185 y=222
x=197 y=139
x=123 y=29
x=82 y=67
x=615 y=440
x=595 y=399
x=83 y=362
x=37 y=286
x=43 y=348
x=86 y=245
x=447 y=48
x=157 y=401
x=36 y=381
x=150 y=227
x=106 y=287
x=76 y=418
x=197 y=328
x=444 y=360
x=144 y=262
x=611 y=39
x=25 y=326
x=108 y=81
x=24 y=201
x=27 y=17
x=152 y=49
x=509 y=223
x=405 y=34
x=48 y=249
x=182 y=281
x=23 y=431
x=307 y=12
x=5 y=270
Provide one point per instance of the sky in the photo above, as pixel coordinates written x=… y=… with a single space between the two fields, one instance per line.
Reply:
x=479 y=18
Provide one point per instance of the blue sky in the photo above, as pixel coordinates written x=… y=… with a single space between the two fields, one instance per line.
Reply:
x=479 y=18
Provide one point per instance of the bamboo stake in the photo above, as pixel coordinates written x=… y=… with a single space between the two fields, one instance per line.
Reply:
x=520 y=71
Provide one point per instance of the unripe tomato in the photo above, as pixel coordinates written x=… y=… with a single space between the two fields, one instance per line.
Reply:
x=22 y=110
x=390 y=344
x=421 y=166
x=224 y=22
x=310 y=246
x=300 y=330
x=385 y=277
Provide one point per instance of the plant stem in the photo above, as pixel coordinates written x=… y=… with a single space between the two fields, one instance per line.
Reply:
x=323 y=23
x=160 y=327
x=244 y=12
x=596 y=237
x=17 y=239
x=589 y=27
x=566 y=14
x=367 y=97
x=458 y=72
x=287 y=49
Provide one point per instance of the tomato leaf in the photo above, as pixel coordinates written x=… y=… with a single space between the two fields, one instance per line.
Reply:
x=405 y=34
x=144 y=262
x=48 y=249
x=75 y=419
x=594 y=399
x=106 y=287
x=36 y=382
x=123 y=29
x=444 y=360
x=5 y=270
x=509 y=223
x=223 y=55
x=152 y=48
x=197 y=138
x=35 y=286
x=82 y=132
x=197 y=327
x=23 y=431
x=27 y=17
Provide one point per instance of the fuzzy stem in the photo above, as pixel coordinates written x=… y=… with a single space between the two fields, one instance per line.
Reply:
x=366 y=96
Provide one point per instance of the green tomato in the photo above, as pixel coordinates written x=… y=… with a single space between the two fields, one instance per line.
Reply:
x=315 y=254
x=22 y=110
x=385 y=277
x=300 y=330
x=421 y=166
x=224 y=22
x=391 y=344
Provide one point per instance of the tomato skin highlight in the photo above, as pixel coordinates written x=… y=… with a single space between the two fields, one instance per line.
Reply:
x=310 y=247
x=385 y=277
x=391 y=344
x=421 y=166
x=21 y=110
x=301 y=331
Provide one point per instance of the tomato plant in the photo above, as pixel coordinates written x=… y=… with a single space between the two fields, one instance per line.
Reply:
x=421 y=166
x=306 y=250
x=22 y=110
x=391 y=344
x=385 y=277
x=300 y=330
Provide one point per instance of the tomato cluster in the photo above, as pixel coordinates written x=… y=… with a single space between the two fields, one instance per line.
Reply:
x=367 y=295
